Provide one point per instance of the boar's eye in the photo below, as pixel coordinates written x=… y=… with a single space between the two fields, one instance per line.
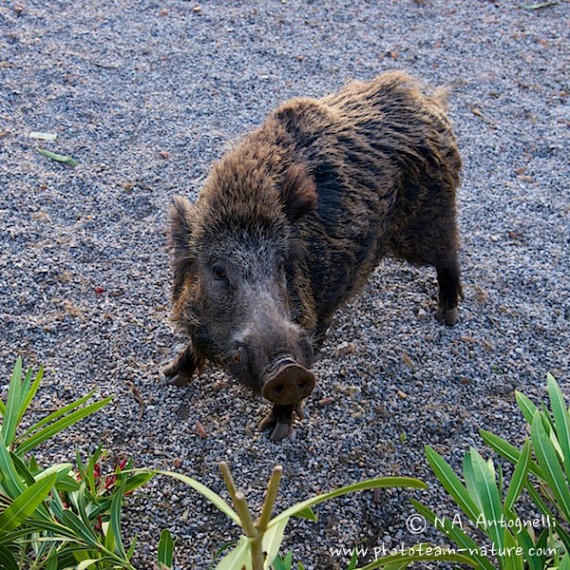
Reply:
x=219 y=272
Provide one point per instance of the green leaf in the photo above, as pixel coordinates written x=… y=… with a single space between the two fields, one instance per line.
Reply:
x=166 y=549
x=308 y=514
x=10 y=422
x=561 y=420
x=467 y=545
x=24 y=505
x=470 y=482
x=519 y=476
x=115 y=519
x=530 y=549
x=551 y=469
x=61 y=424
x=29 y=392
x=488 y=493
x=56 y=414
x=452 y=483
x=11 y=479
x=361 y=486
x=527 y=408
x=238 y=557
x=271 y=542
x=512 y=560
x=565 y=562
x=507 y=451
x=213 y=497
x=58 y=157
x=7 y=560
x=84 y=564
x=82 y=531
x=136 y=481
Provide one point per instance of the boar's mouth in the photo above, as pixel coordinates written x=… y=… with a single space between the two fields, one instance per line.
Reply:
x=286 y=382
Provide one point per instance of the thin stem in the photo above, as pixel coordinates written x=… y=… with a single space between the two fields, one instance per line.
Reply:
x=272 y=490
x=243 y=511
x=228 y=480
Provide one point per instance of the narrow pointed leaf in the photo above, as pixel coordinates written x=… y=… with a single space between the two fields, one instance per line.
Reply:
x=512 y=559
x=308 y=514
x=405 y=482
x=561 y=420
x=519 y=476
x=467 y=546
x=526 y=406
x=61 y=424
x=29 y=391
x=115 y=519
x=490 y=500
x=549 y=463
x=10 y=421
x=8 y=562
x=452 y=483
x=24 y=505
x=213 y=497
x=507 y=451
x=470 y=481
x=11 y=479
x=58 y=157
x=271 y=542
x=166 y=548
x=238 y=557
x=530 y=551
x=57 y=414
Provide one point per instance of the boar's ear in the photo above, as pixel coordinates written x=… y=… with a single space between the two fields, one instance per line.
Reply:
x=181 y=216
x=298 y=192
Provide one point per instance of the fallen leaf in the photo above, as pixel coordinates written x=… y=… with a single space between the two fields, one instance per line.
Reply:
x=58 y=157
x=138 y=397
x=538 y=5
x=468 y=339
x=325 y=401
x=401 y=394
x=42 y=136
x=200 y=430
x=408 y=361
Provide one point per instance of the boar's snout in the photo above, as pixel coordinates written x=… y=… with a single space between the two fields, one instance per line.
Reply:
x=287 y=383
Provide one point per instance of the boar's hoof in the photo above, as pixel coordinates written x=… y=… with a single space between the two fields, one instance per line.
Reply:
x=281 y=419
x=289 y=384
x=179 y=371
x=447 y=316
x=178 y=379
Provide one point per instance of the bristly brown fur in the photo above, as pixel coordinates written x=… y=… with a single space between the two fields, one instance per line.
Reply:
x=332 y=185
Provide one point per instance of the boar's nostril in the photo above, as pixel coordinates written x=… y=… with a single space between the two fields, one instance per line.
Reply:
x=289 y=384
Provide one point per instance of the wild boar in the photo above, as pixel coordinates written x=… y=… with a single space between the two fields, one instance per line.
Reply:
x=292 y=221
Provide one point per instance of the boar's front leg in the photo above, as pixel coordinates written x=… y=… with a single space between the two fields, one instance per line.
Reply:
x=179 y=371
x=281 y=419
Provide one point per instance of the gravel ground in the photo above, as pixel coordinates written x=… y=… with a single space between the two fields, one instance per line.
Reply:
x=145 y=95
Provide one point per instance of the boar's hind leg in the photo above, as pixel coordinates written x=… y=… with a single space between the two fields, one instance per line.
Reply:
x=432 y=240
x=179 y=372
x=449 y=292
